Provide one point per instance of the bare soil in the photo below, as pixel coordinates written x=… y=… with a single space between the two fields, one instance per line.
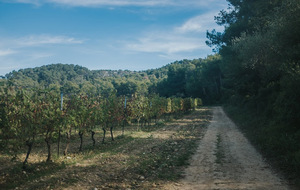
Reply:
x=226 y=160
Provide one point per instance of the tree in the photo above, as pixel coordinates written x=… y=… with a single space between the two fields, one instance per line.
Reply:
x=51 y=116
x=260 y=68
x=139 y=104
x=28 y=115
x=69 y=118
x=82 y=115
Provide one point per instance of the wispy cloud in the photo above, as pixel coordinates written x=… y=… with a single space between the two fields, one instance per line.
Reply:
x=36 y=40
x=192 y=25
x=188 y=37
x=164 y=43
x=199 y=23
x=141 y=3
x=25 y=51
x=34 y=2
x=6 y=52
x=9 y=46
x=90 y=3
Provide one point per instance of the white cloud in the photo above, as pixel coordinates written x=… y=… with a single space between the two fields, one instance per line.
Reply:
x=192 y=25
x=35 y=2
x=22 y=52
x=9 y=45
x=185 y=38
x=6 y=52
x=200 y=23
x=91 y=3
x=36 y=40
x=166 y=44
x=142 y=3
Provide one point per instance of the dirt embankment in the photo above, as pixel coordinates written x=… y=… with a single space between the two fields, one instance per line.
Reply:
x=226 y=160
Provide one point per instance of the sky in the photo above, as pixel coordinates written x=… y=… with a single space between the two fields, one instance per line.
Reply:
x=104 y=34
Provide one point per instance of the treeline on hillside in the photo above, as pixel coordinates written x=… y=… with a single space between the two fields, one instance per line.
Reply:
x=198 y=78
x=78 y=79
x=260 y=51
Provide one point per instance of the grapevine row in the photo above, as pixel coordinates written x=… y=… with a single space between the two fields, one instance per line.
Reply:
x=26 y=116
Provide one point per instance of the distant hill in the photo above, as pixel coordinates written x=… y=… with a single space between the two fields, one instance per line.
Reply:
x=185 y=78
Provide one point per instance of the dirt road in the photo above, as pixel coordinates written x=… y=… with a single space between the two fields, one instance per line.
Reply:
x=226 y=160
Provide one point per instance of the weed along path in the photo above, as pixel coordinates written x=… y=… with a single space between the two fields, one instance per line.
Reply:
x=226 y=160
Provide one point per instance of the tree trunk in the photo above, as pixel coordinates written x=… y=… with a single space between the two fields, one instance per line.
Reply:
x=58 y=142
x=104 y=132
x=81 y=140
x=93 y=139
x=142 y=123
x=68 y=142
x=138 y=124
x=111 y=133
x=47 y=140
x=123 y=127
x=29 y=144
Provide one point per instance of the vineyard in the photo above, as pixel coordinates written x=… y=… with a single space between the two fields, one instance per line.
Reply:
x=47 y=115
x=66 y=125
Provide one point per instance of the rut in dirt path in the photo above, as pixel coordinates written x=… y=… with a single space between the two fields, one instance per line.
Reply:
x=226 y=160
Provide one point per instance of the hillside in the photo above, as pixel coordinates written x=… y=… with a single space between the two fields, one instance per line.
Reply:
x=187 y=78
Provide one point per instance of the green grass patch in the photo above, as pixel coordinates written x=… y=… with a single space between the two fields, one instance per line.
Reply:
x=275 y=140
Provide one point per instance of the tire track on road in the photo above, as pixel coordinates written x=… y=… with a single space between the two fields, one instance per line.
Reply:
x=239 y=165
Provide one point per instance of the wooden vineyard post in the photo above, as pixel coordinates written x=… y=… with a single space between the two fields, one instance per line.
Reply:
x=123 y=126
x=61 y=108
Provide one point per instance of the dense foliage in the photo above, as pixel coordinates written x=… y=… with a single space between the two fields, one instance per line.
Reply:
x=77 y=79
x=260 y=51
x=197 y=78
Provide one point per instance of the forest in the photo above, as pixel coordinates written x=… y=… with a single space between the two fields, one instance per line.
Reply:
x=260 y=50
x=186 y=78
x=254 y=74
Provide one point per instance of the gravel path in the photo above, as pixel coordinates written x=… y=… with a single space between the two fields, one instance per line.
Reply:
x=226 y=160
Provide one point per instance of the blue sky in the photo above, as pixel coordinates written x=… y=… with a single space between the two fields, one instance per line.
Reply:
x=104 y=34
